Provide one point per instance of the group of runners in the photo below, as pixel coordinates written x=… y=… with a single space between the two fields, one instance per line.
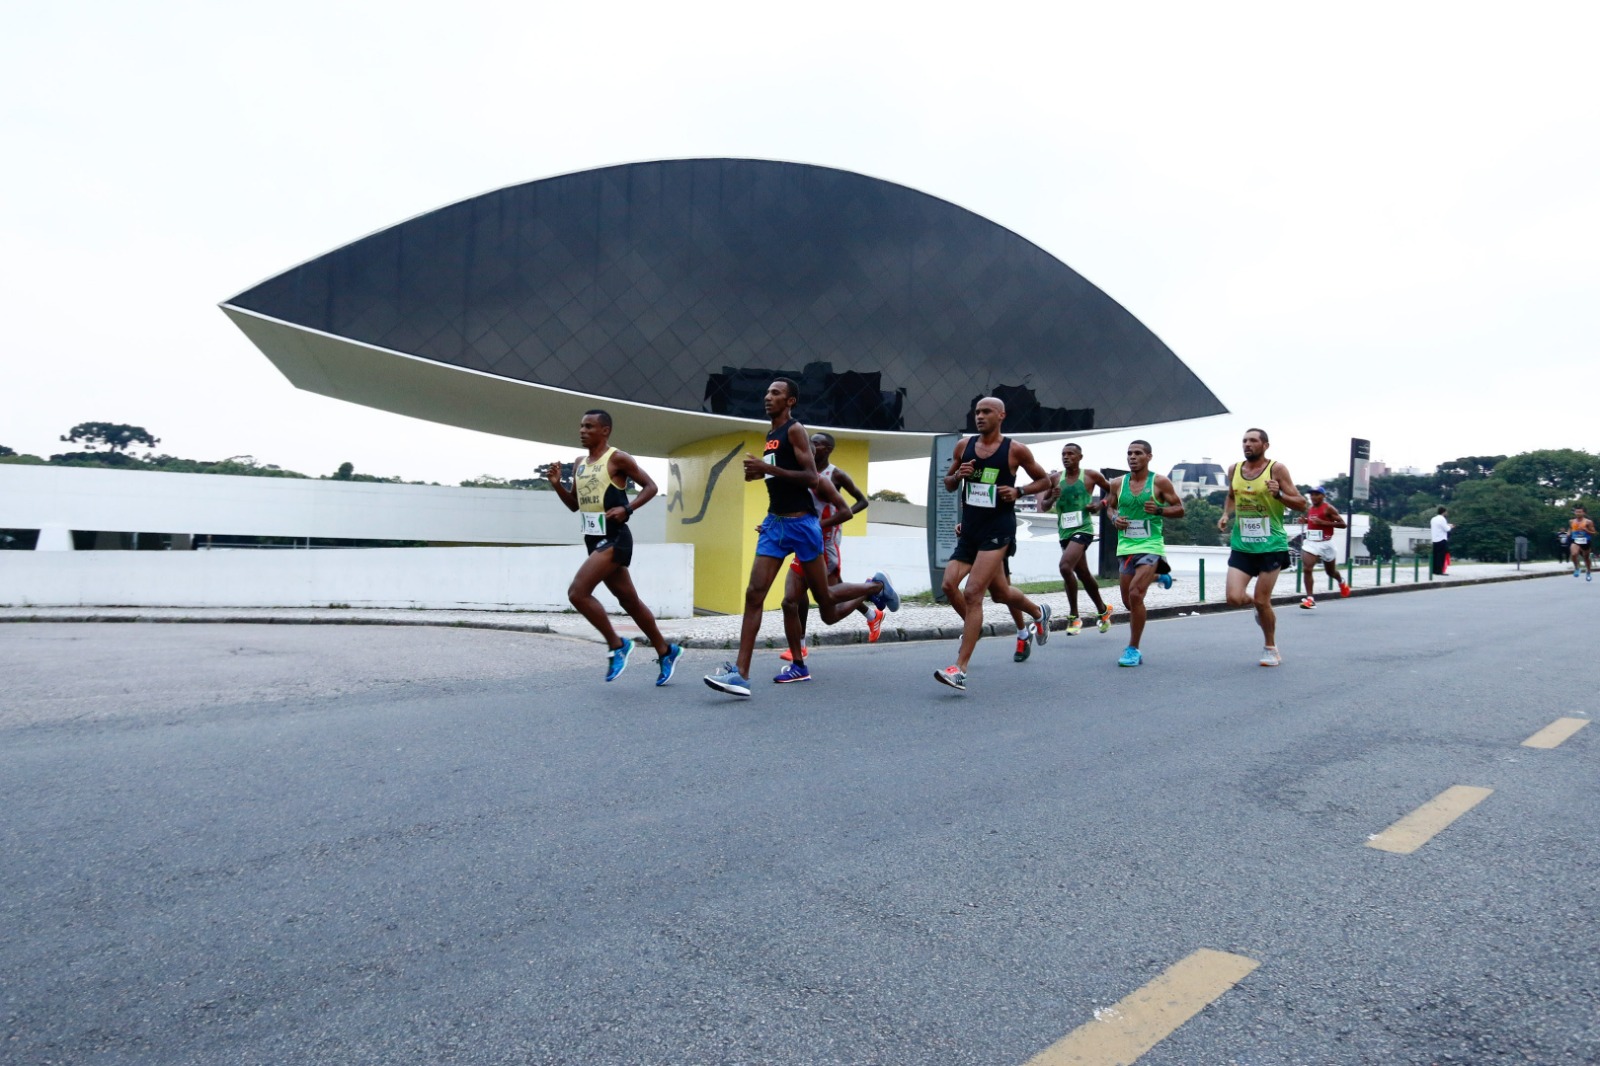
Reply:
x=806 y=508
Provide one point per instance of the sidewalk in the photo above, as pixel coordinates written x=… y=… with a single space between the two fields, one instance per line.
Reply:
x=913 y=621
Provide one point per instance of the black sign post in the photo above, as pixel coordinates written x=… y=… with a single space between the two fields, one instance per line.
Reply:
x=1360 y=489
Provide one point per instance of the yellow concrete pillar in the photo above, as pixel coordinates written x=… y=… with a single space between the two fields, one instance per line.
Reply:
x=711 y=506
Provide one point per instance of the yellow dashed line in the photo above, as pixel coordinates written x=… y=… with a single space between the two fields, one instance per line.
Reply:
x=1428 y=820
x=1554 y=733
x=1120 y=1034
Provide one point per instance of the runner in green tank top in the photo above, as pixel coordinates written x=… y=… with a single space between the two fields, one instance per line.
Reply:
x=1075 y=509
x=1139 y=503
x=1259 y=491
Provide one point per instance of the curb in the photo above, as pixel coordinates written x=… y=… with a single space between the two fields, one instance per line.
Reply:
x=286 y=620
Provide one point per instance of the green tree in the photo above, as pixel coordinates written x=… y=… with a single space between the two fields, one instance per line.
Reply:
x=1557 y=475
x=4 y=451
x=1490 y=514
x=1379 y=539
x=1198 y=524
x=113 y=436
x=890 y=495
x=345 y=472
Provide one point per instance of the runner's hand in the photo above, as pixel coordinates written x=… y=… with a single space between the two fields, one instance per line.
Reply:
x=553 y=473
x=754 y=469
x=1152 y=507
x=617 y=514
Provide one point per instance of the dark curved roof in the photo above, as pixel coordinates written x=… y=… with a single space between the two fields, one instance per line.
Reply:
x=689 y=284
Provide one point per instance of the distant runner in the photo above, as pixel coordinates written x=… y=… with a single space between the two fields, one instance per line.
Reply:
x=599 y=495
x=1075 y=508
x=1580 y=535
x=1321 y=520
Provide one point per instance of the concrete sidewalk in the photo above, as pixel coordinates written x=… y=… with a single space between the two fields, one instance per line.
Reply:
x=914 y=621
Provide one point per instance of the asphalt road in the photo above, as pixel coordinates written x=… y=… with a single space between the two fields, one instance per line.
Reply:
x=280 y=844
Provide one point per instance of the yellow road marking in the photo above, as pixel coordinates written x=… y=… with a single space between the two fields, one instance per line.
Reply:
x=1120 y=1034
x=1428 y=820
x=1553 y=734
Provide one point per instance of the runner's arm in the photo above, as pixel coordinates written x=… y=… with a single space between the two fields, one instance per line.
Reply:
x=1227 y=502
x=958 y=470
x=1025 y=459
x=629 y=467
x=845 y=483
x=1171 y=502
x=1290 y=497
x=566 y=495
x=1093 y=478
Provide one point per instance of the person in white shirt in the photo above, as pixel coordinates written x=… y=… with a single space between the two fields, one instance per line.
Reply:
x=1441 y=527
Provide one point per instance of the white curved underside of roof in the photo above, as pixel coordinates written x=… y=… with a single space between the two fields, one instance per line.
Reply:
x=457 y=396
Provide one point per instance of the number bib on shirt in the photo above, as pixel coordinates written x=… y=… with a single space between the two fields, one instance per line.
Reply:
x=1580 y=538
x=982 y=495
x=1070 y=521
x=1254 y=528
x=594 y=523
x=1138 y=529
x=1316 y=534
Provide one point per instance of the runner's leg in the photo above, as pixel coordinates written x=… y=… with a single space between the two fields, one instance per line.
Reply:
x=620 y=582
x=595 y=569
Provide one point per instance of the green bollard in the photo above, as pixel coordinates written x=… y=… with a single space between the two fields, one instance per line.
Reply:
x=1350 y=572
x=1377 y=574
x=1297 y=576
x=1202 y=581
x=1416 y=568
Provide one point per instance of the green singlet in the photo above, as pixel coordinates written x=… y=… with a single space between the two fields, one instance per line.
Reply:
x=1144 y=535
x=1072 y=509
x=1257 y=515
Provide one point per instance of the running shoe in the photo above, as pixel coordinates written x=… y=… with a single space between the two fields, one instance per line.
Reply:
x=1270 y=657
x=875 y=625
x=1130 y=657
x=1344 y=590
x=1024 y=647
x=1041 y=629
x=1308 y=604
x=668 y=663
x=952 y=676
x=1575 y=571
x=793 y=672
x=727 y=679
x=1105 y=620
x=1074 y=625
x=617 y=660
x=788 y=656
x=1588 y=577
x=888 y=599
x=1164 y=580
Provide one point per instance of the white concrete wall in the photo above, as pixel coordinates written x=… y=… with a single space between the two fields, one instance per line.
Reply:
x=144 y=501
x=508 y=579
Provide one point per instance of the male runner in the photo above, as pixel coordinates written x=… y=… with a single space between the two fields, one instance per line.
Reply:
x=1580 y=535
x=794 y=591
x=599 y=495
x=791 y=527
x=1075 y=509
x=1139 y=503
x=1259 y=490
x=984 y=470
x=1322 y=518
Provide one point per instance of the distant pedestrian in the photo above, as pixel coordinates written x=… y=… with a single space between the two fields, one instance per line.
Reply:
x=1441 y=527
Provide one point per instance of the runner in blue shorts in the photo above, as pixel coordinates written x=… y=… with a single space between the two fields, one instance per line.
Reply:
x=791 y=528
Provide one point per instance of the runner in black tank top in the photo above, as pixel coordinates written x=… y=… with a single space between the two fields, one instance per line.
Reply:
x=984 y=470
x=791 y=527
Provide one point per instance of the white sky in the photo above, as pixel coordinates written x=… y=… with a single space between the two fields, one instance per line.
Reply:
x=1372 y=219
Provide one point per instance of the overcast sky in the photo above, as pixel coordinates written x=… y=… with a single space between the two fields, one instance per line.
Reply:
x=1376 y=220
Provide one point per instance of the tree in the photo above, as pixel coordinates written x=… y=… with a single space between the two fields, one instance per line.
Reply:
x=889 y=495
x=345 y=472
x=1379 y=539
x=1198 y=524
x=113 y=436
x=6 y=451
x=1489 y=515
x=1557 y=475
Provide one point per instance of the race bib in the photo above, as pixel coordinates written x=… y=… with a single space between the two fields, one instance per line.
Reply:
x=981 y=495
x=1138 y=528
x=1580 y=538
x=594 y=523
x=771 y=459
x=1255 y=528
x=1316 y=534
x=1070 y=520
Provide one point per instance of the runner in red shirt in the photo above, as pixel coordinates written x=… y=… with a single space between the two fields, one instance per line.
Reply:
x=1322 y=518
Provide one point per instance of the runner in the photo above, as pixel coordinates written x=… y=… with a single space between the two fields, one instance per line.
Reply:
x=791 y=527
x=1580 y=534
x=1259 y=490
x=599 y=495
x=1024 y=626
x=1141 y=540
x=794 y=590
x=1321 y=520
x=1075 y=509
x=984 y=470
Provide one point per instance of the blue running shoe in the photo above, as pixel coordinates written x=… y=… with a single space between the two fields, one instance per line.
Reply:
x=793 y=672
x=1041 y=629
x=617 y=659
x=888 y=599
x=668 y=663
x=1130 y=657
x=1164 y=580
x=728 y=679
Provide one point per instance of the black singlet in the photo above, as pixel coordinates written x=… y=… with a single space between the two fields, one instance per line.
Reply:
x=785 y=496
x=987 y=477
